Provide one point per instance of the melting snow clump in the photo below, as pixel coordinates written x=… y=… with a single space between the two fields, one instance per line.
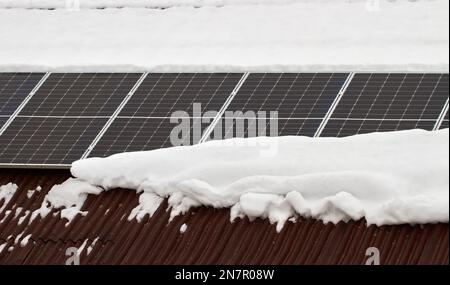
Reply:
x=70 y=196
x=183 y=228
x=6 y=193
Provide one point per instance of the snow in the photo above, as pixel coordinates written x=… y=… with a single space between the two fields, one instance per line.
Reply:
x=386 y=178
x=21 y=219
x=295 y=36
x=6 y=193
x=183 y=228
x=69 y=195
x=91 y=247
x=148 y=204
x=25 y=240
x=96 y=4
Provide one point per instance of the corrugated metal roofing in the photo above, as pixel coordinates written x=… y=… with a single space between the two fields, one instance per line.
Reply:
x=210 y=238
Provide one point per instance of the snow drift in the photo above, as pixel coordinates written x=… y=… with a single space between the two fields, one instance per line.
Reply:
x=386 y=178
x=286 y=36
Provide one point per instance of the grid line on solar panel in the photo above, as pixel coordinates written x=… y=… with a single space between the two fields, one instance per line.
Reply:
x=162 y=94
x=47 y=140
x=292 y=95
x=80 y=94
x=138 y=134
x=14 y=88
x=394 y=96
x=341 y=128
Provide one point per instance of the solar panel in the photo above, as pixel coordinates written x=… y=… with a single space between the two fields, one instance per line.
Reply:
x=63 y=117
x=385 y=102
x=144 y=122
x=162 y=94
x=37 y=140
x=69 y=111
x=136 y=134
x=14 y=88
x=80 y=94
x=302 y=100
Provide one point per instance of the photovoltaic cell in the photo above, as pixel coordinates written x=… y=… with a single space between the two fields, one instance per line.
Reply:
x=14 y=88
x=47 y=140
x=137 y=134
x=80 y=94
x=387 y=102
x=160 y=95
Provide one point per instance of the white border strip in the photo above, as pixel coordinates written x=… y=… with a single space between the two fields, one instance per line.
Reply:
x=334 y=105
x=114 y=115
x=24 y=102
x=439 y=121
x=213 y=124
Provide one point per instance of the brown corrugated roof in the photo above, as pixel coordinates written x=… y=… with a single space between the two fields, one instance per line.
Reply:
x=210 y=238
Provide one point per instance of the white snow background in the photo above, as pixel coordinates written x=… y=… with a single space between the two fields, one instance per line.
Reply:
x=227 y=35
x=386 y=178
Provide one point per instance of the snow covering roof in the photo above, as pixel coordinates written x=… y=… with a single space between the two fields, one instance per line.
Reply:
x=209 y=238
x=226 y=35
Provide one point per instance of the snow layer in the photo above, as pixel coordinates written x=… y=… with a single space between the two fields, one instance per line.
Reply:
x=96 y=4
x=338 y=35
x=6 y=193
x=386 y=178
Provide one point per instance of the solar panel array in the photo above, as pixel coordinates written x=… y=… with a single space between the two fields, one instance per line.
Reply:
x=75 y=115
